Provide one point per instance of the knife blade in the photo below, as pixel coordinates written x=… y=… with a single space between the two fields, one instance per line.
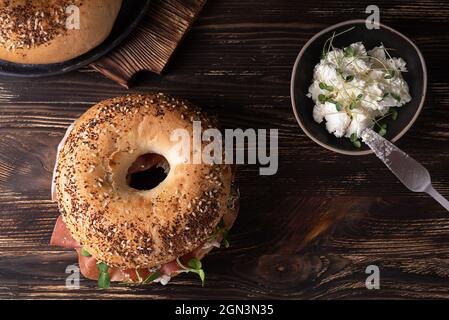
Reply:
x=409 y=171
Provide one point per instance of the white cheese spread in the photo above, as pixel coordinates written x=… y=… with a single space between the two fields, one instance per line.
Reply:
x=354 y=89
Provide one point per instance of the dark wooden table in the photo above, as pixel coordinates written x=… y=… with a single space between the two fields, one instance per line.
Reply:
x=309 y=231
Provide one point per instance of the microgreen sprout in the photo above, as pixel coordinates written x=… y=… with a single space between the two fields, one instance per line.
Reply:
x=357 y=144
x=386 y=94
x=355 y=140
x=349 y=51
x=322 y=98
x=395 y=96
x=338 y=105
x=326 y=47
x=353 y=105
x=220 y=229
x=394 y=114
x=139 y=276
x=152 y=277
x=383 y=129
x=349 y=78
x=104 y=281
x=384 y=66
x=85 y=253
x=328 y=44
x=392 y=94
x=386 y=50
x=326 y=87
x=390 y=74
x=102 y=267
x=195 y=266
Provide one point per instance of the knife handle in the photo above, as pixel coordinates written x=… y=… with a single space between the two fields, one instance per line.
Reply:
x=438 y=197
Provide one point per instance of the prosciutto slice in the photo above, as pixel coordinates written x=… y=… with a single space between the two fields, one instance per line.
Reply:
x=88 y=265
x=89 y=269
x=61 y=236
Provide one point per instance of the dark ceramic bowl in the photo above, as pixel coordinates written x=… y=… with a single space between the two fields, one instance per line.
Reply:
x=130 y=14
x=302 y=77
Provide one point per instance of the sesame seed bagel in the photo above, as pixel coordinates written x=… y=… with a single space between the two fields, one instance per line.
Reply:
x=122 y=226
x=35 y=31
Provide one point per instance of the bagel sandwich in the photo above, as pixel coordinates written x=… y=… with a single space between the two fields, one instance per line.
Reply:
x=132 y=208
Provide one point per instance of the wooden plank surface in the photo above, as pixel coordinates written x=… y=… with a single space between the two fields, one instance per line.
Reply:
x=307 y=232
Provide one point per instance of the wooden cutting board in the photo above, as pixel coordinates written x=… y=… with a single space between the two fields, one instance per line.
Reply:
x=152 y=45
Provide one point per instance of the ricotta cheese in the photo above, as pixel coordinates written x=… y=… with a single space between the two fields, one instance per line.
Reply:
x=354 y=89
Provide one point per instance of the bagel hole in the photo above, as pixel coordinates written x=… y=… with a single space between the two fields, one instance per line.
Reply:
x=147 y=172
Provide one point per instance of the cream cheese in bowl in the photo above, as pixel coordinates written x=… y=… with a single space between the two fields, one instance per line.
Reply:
x=354 y=88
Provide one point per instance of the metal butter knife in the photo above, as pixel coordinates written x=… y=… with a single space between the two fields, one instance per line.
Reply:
x=409 y=171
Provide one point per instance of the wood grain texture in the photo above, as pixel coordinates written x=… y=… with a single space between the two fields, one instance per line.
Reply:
x=152 y=45
x=307 y=232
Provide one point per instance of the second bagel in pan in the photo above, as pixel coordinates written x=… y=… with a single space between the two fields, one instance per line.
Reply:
x=53 y=31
